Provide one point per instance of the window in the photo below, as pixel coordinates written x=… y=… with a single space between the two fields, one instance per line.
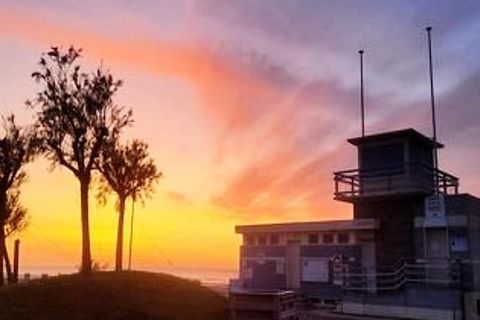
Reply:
x=313 y=238
x=390 y=156
x=262 y=240
x=249 y=240
x=273 y=239
x=343 y=238
x=458 y=243
x=327 y=238
x=280 y=267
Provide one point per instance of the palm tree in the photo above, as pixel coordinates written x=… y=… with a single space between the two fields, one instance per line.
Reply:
x=130 y=172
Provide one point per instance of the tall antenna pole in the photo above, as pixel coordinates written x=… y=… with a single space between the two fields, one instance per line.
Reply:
x=432 y=101
x=362 y=102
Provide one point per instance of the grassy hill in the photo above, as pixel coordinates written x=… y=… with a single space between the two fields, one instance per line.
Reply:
x=109 y=295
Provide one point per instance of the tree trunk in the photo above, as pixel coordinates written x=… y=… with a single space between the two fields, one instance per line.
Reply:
x=2 y=251
x=3 y=211
x=121 y=216
x=8 y=265
x=86 y=267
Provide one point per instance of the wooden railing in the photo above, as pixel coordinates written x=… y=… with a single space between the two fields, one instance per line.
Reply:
x=409 y=177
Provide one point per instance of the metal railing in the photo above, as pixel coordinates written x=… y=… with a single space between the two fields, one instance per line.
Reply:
x=445 y=273
x=408 y=177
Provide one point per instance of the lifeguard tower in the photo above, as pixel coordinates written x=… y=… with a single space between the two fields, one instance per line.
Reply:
x=412 y=249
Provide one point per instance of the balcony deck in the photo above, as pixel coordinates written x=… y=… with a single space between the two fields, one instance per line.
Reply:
x=402 y=180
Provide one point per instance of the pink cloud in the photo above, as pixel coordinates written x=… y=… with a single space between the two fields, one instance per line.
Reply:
x=256 y=116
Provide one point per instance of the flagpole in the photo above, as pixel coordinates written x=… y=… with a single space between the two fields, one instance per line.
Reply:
x=362 y=103
x=432 y=102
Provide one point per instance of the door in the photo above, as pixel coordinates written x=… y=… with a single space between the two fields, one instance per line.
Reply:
x=292 y=265
x=437 y=245
x=437 y=254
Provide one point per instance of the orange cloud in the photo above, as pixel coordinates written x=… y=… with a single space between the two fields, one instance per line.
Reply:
x=217 y=81
x=256 y=119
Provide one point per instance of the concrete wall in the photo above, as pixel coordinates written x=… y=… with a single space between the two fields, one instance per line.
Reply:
x=474 y=241
x=263 y=267
x=466 y=204
x=472 y=306
x=395 y=239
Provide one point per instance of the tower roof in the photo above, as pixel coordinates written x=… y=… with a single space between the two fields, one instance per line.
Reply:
x=404 y=133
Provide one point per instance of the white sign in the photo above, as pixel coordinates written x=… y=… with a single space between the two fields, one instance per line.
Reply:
x=435 y=206
x=315 y=270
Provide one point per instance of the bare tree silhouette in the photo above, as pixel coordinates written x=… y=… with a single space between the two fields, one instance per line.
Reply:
x=17 y=221
x=76 y=112
x=130 y=172
x=17 y=147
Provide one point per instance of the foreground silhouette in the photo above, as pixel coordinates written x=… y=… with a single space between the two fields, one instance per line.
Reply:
x=130 y=172
x=111 y=295
x=75 y=115
x=18 y=146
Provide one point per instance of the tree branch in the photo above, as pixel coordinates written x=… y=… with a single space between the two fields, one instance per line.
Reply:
x=61 y=159
x=94 y=153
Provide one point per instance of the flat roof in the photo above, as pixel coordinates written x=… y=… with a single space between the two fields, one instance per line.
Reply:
x=352 y=224
x=260 y=292
x=409 y=133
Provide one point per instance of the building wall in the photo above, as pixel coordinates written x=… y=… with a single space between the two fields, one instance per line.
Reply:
x=468 y=205
x=395 y=238
x=472 y=306
x=473 y=209
x=263 y=267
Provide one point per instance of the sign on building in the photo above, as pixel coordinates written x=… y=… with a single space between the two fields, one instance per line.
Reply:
x=315 y=270
x=435 y=211
x=435 y=206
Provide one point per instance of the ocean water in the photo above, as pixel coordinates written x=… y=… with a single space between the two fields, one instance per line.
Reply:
x=207 y=276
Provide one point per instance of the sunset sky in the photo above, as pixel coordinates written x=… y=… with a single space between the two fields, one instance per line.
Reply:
x=246 y=106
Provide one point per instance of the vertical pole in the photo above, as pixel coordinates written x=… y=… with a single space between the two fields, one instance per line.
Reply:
x=131 y=235
x=362 y=103
x=432 y=101
x=16 y=255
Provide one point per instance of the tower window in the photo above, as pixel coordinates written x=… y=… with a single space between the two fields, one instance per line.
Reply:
x=390 y=157
x=313 y=238
x=327 y=238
